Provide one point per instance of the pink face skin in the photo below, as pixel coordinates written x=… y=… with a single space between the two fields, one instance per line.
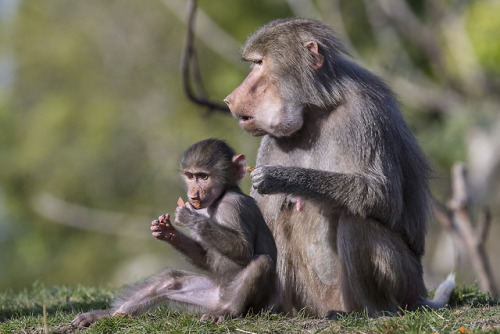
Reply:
x=258 y=103
x=259 y=106
x=202 y=188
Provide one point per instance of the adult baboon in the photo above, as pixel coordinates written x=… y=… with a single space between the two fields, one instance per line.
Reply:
x=335 y=140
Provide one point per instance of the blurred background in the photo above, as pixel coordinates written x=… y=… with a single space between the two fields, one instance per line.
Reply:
x=93 y=119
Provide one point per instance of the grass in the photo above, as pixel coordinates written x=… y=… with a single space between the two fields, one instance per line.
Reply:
x=470 y=312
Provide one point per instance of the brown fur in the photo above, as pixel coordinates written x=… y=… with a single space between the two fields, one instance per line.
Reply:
x=228 y=240
x=335 y=139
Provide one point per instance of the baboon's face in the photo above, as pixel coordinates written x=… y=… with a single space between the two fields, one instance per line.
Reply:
x=259 y=105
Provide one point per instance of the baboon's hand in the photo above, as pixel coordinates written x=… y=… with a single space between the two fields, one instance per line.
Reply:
x=269 y=179
x=186 y=215
x=164 y=230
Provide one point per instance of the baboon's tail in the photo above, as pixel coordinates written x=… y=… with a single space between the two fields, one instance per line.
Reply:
x=443 y=292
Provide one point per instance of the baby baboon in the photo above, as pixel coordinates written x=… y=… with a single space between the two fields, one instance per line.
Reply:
x=228 y=239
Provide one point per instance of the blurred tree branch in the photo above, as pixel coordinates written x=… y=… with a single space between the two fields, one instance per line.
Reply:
x=456 y=217
x=206 y=29
x=402 y=17
x=190 y=63
x=84 y=218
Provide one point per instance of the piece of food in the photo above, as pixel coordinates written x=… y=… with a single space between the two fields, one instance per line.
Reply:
x=180 y=202
x=250 y=169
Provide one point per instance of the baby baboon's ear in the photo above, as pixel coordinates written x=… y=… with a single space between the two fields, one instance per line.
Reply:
x=240 y=164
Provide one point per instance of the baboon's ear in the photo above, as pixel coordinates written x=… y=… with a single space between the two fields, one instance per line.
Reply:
x=313 y=47
x=240 y=163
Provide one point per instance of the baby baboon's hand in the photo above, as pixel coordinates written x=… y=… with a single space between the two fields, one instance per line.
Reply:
x=164 y=230
x=186 y=215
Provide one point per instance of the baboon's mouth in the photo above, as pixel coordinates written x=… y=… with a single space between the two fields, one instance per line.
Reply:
x=246 y=121
x=249 y=124
x=196 y=203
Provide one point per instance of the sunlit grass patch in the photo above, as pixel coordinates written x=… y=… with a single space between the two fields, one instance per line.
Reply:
x=470 y=312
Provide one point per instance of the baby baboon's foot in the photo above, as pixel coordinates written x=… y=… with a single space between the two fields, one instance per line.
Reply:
x=87 y=319
x=212 y=317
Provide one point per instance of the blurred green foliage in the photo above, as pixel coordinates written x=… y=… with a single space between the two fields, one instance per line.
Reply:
x=95 y=115
x=483 y=29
